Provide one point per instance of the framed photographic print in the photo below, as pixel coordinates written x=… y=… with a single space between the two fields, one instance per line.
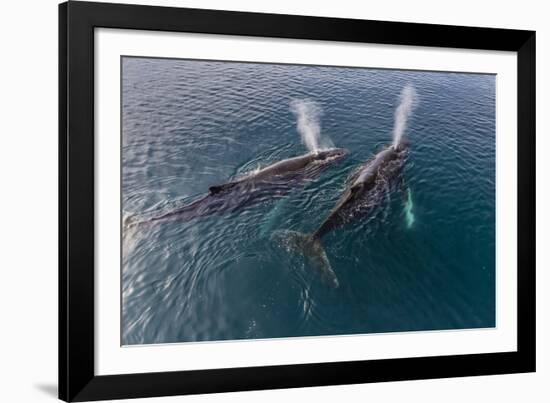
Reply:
x=254 y=201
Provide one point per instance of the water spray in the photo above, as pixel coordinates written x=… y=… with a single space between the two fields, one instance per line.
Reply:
x=407 y=102
x=308 y=121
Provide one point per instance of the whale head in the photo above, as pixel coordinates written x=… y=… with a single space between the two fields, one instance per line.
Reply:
x=403 y=145
x=331 y=154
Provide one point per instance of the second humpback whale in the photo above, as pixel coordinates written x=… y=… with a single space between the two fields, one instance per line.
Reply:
x=366 y=188
x=265 y=184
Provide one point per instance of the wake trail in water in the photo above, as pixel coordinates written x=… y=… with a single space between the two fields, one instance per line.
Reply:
x=308 y=123
x=407 y=103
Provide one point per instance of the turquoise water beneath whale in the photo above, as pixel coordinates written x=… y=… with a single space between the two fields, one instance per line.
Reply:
x=423 y=260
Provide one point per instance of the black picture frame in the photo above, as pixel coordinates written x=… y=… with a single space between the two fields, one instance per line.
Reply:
x=77 y=379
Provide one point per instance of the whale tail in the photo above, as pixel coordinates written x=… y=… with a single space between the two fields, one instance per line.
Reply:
x=312 y=249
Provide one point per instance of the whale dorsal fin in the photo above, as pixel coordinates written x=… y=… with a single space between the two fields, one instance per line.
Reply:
x=219 y=188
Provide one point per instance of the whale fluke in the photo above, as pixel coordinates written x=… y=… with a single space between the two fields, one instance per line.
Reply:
x=311 y=248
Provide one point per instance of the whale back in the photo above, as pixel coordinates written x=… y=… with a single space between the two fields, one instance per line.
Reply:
x=285 y=166
x=363 y=192
x=368 y=174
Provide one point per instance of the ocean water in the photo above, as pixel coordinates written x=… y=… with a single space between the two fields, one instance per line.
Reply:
x=423 y=260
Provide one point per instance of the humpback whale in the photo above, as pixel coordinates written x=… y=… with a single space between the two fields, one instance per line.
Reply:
x=366 y=189
x=266 y=184
x=305 y=165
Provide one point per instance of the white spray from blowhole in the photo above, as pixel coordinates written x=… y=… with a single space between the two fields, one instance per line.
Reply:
x=308 y=122
x=407 y=102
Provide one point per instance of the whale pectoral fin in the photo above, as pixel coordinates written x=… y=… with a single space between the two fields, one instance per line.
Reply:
x=219 y=188
x=404 y=190
x=408 y=207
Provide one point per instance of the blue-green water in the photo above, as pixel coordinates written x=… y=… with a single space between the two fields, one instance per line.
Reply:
x=424 y=260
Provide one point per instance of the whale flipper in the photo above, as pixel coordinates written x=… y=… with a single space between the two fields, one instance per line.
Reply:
x=408 y=209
